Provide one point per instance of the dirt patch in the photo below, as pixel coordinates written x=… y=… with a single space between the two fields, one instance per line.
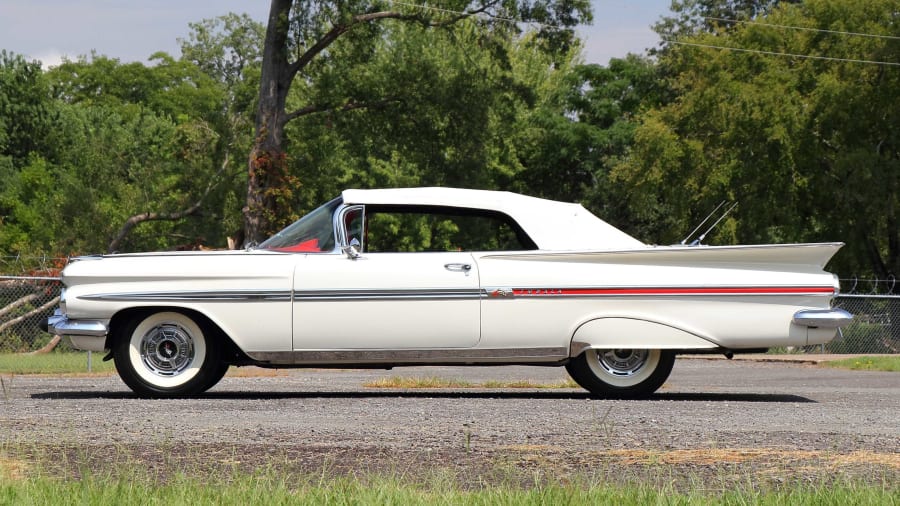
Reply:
x=520 y=465
x=714 y=456
x=684 y=467
x=12 y=469
x=868 y=458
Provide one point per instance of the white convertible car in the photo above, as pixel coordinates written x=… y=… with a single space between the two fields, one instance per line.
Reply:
x=404 y=277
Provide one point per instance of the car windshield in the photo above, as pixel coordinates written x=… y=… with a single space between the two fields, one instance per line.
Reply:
x=313 y=233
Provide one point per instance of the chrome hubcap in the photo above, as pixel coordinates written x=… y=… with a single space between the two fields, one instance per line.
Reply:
x=167 y=349
x=622 y=363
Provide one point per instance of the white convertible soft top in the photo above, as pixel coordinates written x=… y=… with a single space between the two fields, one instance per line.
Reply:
x=552 y=225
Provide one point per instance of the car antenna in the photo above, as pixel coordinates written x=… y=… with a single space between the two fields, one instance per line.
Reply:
x=699 y=240
x=710 y=215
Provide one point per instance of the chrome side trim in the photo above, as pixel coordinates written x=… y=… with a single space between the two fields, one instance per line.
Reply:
x=60 y=324
x=411 y=356
x=824 y=318
x=449 y=293
x=205 y=296
x=364 y=294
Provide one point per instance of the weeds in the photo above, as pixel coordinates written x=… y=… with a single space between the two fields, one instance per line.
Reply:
x=467 y=436
x=6 y=386
x=605 y=426
x=867 y=363
x=270 y=486
x=115 y=474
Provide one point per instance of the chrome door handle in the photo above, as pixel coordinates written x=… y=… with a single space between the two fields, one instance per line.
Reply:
x=458 y=267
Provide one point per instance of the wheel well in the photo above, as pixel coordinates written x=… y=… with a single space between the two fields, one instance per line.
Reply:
x=231 y=353
x=624 y=332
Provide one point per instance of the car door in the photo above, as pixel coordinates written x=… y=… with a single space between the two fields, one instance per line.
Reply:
x=386 y=300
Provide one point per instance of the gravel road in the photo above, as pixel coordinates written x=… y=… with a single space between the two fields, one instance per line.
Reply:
x=713 y=420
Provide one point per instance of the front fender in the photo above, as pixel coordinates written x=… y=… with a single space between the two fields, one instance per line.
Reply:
x=633 y=333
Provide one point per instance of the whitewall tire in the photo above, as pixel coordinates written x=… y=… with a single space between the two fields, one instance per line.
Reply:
x=621 y=373
x=166 y=354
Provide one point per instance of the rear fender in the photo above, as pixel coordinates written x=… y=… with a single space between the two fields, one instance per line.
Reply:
x=633 y=333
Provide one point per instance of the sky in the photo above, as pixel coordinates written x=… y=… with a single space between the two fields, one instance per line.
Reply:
x=132 y=30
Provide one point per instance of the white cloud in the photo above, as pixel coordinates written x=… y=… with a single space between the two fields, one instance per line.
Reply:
x=49 y=57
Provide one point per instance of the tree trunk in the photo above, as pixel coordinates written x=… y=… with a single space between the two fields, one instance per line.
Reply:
x=893 y=239
x=879 y=269
x=267 y=162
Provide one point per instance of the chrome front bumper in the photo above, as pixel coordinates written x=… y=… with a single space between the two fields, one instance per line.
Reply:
x=59 y=324
x=833 y=318
x=87 y=335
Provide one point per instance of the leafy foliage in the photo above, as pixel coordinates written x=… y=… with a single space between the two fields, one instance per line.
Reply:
x=385 y=95
x=808 y=146
x=584 y=126
x=26 y=116
x=317 y=53
x=122 y=140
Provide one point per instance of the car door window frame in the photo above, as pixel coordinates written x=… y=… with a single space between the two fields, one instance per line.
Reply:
x=341 y=225
x=344 y=235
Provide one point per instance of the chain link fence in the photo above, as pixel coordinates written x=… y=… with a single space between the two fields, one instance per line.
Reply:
x=875 y=306
x=24 y=303
x=29 y=293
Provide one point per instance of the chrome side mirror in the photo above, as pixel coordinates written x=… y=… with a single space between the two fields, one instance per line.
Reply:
x=352 y=251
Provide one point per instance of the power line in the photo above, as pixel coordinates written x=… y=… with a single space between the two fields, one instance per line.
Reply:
x=802 y=28
x=775 y=53
x=694 y=44
x=473 y=13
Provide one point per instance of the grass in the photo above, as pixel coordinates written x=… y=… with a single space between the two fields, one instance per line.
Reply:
x=272 y=487
x=412 y=382
x=53 y=363
x=867 y=363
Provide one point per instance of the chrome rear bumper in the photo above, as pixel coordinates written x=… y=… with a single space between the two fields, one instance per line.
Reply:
x=833 y=318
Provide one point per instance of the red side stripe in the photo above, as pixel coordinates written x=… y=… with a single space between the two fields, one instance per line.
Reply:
x=748 y=290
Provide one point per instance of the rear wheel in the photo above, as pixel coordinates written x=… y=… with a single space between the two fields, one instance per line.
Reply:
x=167 y=354
x=621 y=373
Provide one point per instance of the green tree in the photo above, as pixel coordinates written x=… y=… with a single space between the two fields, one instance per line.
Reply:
x=449 y=120
x=582 y=127
x=107 y=161
x=308 y=37
x=128 y=145
x=27 y=117
x=694 y=17
x=808 y=145
x=26 y=111
x=228 y=49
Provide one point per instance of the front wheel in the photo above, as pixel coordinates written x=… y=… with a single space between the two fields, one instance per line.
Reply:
x=166 y=354
x=621 y=373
